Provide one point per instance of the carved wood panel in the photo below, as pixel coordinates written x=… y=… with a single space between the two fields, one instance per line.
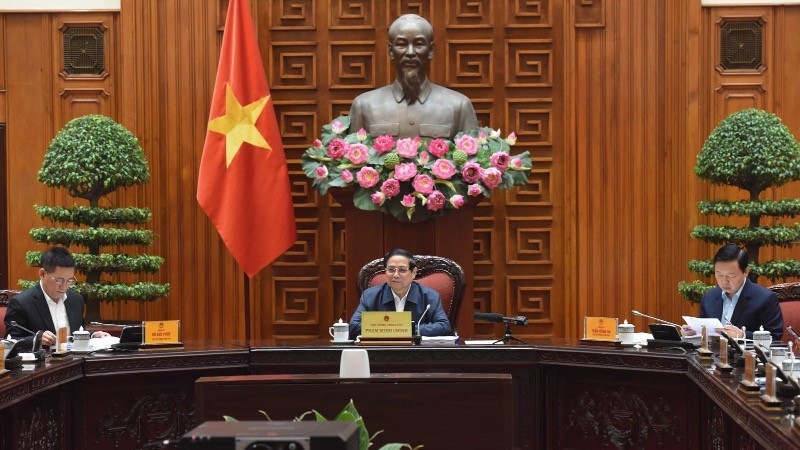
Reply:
x=613 y=99
x=515 y=231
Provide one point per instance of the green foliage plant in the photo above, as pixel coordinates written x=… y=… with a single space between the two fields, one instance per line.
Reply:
x=91 y=157
x=753 y=151
x=348 y=414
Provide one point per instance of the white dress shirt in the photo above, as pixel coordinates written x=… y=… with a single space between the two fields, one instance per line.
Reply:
x=400 y=302
x=58 y=312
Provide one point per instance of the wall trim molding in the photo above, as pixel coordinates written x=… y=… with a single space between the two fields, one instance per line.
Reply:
x=749 y=2
x=13 y=6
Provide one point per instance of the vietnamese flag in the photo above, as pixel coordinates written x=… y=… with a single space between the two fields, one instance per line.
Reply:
x=243 y=184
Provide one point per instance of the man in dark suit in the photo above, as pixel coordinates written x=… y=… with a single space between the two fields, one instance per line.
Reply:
x=402 y=293
x=737 y=301
x=50 y=304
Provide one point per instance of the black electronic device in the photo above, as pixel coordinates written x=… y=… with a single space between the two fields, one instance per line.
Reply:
x=732 y=342
x=662 y=332
x=271 y=435
x=789 y=387
x=129 y=339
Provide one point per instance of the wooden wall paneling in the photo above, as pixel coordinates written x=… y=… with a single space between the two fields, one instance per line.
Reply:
x=30 y=124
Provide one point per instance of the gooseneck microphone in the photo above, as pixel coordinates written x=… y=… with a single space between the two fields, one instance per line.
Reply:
x=791 y=330
x=498 y=318
x=16 y=325
x=637 y=313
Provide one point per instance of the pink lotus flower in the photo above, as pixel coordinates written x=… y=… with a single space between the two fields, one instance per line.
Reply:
x=472 y=172
x=368 y=177
x=408 y=201
x=467 y=144
x=383 y=143
x=361 y=135
x=515 y=163
x=347 y=176
x=337 y=127
x=474 y=190
x=492 y=177
x=378 y=198
x=457 y=201
x=444 y=169
x=500 y=160
x=405 y=171
x=357 y=153
x=408 y=147
x=318 y=144
x=423 y=159
x=511 y=139
x=436 y=201
x=438 y=147
x=337 y=148
x=481 y=137
x=390 y=187
x=322 y=172
x=423 y=184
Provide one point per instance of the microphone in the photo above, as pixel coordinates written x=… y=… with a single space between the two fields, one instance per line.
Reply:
x=101 y=324
x=637 y=313
x=791 y=330
x=422 y=317
x=734 y=344
x=498 y=318
x=15 y=324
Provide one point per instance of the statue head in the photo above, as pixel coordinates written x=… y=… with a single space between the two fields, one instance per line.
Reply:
x=411 y=50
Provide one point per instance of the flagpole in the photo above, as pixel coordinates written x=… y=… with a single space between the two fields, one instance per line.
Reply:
x=247 y=308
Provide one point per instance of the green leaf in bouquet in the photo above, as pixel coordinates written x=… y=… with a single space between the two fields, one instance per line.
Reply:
x=363 y=201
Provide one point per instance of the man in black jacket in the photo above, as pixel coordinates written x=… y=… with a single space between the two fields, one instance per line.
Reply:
x=50 y=304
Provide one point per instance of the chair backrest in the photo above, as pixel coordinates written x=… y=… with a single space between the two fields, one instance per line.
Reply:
x=4 y=296
x=789 y=296
x=443 y=275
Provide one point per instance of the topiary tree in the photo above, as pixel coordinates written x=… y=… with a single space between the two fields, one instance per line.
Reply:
x=92 y=157
x=752 y=150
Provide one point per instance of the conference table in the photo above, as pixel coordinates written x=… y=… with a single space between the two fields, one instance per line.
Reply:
x=562 y=395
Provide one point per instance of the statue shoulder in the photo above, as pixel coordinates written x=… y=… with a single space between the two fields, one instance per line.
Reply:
x=368 y=96
x=447 y=91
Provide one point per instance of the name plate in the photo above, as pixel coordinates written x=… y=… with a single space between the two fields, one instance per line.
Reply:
x=386 y=324
x=600 y=328
x=161 y=332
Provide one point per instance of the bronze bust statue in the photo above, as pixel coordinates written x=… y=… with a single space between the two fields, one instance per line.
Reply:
x=412 y=105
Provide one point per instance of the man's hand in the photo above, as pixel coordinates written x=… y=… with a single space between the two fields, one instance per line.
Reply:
x=100 y=334
x=732 y=331
x=48 y=338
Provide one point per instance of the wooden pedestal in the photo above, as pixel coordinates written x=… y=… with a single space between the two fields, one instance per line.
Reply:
x=370 y=234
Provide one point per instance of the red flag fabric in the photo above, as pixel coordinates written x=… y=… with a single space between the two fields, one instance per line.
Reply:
x=243 y=184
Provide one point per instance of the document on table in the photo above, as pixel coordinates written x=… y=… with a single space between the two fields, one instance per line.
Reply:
x=696 y=323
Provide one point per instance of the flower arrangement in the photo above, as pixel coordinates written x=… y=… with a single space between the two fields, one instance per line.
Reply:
x=413 y=179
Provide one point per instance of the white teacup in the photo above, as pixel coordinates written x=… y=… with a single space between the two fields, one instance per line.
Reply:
x=80 y=340
x=625 y=332
x=339 y=332
x=762 y=338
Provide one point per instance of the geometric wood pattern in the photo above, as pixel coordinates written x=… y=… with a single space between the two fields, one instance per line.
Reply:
x=612 y=99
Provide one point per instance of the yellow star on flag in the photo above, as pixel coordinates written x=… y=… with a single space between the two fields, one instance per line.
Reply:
x=238 y=124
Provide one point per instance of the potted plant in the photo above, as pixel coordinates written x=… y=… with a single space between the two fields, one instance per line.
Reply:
x=754 y=151
x=93 y=156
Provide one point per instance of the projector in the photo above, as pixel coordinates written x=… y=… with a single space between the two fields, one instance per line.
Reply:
x=275 y=435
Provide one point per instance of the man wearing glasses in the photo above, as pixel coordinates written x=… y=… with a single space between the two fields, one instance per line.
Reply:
x=738 y=302
x=50 y=304
x=402 y=293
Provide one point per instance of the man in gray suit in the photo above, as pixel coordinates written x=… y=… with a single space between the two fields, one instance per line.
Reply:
x=412 y=105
